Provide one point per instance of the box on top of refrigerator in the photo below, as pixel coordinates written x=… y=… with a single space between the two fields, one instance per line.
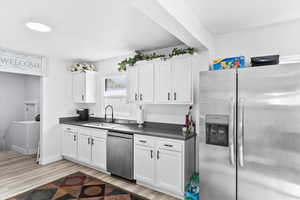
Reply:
x=229 y=63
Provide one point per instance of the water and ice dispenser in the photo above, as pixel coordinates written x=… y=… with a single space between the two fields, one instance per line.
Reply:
x=217 y=130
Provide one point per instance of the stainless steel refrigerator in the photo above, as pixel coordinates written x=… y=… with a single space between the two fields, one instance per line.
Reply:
x=249 y=141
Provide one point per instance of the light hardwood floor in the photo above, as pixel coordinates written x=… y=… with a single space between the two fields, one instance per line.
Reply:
x=20 y=173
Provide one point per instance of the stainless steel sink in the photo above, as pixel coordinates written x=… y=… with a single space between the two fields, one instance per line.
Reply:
x=100 y=124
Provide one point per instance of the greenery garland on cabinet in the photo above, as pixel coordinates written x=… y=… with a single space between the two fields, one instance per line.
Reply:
x=139 y=56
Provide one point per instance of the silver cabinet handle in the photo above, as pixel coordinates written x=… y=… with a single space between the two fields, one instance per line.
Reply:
x=175 y=96
x=151 y=154
x=241 y=131
x=82 y=97
x=168 y=96
x=74 y=137
x=142 y=141
x=136 y=97
x=157 y=155
x=168 y=145
x=92 y=141
x=88 y=140
x=141 y=97
x=231 y=134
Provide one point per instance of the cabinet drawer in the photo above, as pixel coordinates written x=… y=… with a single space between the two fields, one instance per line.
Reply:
x=72 y=129
x=93 y=132
x=170 y=145
x=144 y=141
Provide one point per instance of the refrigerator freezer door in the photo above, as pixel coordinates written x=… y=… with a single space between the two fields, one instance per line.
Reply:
x=269 y=133
x=217 y=135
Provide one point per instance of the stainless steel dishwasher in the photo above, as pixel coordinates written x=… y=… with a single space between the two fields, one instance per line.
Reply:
x=120 y=154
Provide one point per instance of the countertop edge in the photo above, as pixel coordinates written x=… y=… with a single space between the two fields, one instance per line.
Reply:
x=148 y=133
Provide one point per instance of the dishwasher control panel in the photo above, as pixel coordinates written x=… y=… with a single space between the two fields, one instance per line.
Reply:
x=217 y=130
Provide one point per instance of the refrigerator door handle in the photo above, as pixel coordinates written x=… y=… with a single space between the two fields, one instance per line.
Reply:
x=232 y=132
x=241 y=131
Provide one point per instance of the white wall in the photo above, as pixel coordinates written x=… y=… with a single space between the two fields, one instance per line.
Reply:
x=56 y=102
x=32 y=88
x=280 y=39
x=153 y=113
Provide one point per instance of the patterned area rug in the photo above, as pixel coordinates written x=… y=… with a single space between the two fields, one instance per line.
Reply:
x=78 y=186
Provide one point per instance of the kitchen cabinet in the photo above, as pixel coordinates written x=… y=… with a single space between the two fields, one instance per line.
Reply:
x=98 y=152
x=163 y=86
x=169 y=170
x=144 y=163
x=69 y=142
x=146 y=82
x=84 y=87
x=133 y=85
x=182 y=80
x=141 y=83
x=85 y=145
x=173 y=81
x=164 y=164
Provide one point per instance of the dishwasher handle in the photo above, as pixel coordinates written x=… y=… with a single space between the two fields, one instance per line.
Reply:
x=121 y=135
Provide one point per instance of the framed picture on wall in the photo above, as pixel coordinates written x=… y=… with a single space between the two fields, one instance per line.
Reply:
x=115 y=86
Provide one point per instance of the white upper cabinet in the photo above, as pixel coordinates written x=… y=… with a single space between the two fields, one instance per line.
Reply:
x=133 y=86
x=84 y=87
x=182 y=80
x=146 y=82
x=163 y=82
x=173 y=81
x=141 y=83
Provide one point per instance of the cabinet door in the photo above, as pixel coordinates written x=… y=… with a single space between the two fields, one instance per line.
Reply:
x=133 y=95
x=90 y=87
x=144 y=164
x=79 y=87
x=84 y=148
x=163 y=83
x=69 y=144
x=169 y=174
x=146 y=82
x=182 y=80
x=99 y=152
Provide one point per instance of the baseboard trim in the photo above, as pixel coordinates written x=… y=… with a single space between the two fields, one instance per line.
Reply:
x=48 y=160
x=180 y=196
x=85 y=164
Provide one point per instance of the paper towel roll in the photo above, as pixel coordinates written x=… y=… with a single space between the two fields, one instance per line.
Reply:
x=140 y=115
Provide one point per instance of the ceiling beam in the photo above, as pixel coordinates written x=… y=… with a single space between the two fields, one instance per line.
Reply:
x=178 y=19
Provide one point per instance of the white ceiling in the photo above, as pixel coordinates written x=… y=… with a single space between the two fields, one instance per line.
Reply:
x=82 y=29
x=224 y=16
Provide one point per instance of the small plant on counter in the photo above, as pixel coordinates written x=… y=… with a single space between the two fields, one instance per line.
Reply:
x=79 y=67
x=140 y=56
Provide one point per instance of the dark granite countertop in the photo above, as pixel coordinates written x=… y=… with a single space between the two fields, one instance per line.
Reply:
x=172 y=131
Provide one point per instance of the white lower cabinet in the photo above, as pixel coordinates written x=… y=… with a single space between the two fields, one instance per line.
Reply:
x=69 y=142
x=144 y=164
x=84 y=148
x=99 y=152
x=162 y=163
x=85 y=145
x=169 y=170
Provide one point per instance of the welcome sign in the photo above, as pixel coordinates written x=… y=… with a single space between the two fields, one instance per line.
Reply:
x=14 y=62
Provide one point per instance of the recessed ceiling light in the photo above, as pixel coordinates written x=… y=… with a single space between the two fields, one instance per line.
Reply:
x=38 y=27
